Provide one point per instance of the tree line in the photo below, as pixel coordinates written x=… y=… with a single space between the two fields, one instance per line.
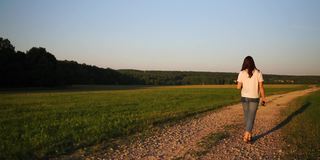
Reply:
x=203 y=78
x=39 y=68
x=181 y=77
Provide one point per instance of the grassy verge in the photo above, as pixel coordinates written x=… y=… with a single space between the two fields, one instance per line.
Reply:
x=41 y=124
x=210 y=141
x=302 y=134
x=207 y=143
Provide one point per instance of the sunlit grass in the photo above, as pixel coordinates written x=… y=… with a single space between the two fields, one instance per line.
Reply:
x=39 y=124
x=302 y=133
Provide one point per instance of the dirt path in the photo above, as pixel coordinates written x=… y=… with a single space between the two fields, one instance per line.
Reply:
x=181 y=141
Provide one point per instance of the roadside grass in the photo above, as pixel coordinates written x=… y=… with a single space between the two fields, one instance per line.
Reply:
x=48 y=123
x=302 y=134
x=210 y=141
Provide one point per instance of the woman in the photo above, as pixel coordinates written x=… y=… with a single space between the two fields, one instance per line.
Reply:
x=250 y=82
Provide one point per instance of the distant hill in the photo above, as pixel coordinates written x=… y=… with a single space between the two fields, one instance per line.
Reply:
x=191 y=77
x=39 y=68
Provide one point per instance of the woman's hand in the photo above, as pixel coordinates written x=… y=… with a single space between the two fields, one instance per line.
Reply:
x=263 y=95
x=263 y=101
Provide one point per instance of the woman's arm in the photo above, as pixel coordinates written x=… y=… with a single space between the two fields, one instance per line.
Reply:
x=239 y=85
x=263 y=95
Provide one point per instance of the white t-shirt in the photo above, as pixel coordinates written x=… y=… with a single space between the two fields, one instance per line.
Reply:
x=250 y=86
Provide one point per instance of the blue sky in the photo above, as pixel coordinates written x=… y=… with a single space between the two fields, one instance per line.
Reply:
x=282 y=36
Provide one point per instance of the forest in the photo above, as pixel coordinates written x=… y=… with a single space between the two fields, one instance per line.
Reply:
x=39 y=68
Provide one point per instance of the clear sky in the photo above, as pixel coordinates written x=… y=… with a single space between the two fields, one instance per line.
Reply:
x=283 y=36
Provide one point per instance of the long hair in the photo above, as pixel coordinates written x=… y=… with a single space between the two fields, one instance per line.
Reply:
x=248 y=63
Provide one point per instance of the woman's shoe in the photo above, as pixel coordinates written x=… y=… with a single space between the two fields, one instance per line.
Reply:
x=249 y=137
x=245 y=137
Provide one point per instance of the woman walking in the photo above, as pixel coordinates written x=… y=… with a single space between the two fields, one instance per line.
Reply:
x=250 y=81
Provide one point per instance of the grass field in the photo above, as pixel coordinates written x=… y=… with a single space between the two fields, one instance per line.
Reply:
x=303 y=132
x=38 y=124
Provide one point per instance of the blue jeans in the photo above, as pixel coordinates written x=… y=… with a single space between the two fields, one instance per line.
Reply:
x=249 y=110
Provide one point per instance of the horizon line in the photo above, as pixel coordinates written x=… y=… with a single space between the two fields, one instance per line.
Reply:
x=164 y=70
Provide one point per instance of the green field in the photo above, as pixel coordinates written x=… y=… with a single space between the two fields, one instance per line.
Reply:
x=38 y=124
x=303 y=132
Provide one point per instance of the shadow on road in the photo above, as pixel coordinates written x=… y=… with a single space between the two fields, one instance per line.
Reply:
x=284 y=122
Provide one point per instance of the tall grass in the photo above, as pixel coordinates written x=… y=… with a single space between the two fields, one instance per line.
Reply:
x=302 y=134
x=41 y=124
